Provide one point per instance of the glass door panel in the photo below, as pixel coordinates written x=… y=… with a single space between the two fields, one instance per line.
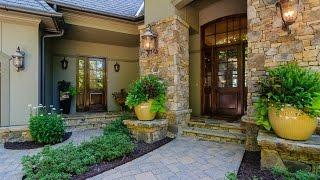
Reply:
x=227 y=68
x=91 y=80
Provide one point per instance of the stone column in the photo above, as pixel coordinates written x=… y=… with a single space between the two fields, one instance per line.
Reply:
x=269 y=46
x=170 y=63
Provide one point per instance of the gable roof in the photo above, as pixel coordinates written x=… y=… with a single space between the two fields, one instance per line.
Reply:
x=39 y=7
x=126 y=9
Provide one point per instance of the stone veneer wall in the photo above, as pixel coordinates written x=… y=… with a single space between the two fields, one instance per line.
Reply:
x=270 y=46
x=171 y=63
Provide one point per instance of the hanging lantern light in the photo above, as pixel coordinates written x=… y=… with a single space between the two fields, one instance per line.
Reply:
x=116 y=67
x=64 y=64
x=149 y=40
x=289 y=11
x=18 y=59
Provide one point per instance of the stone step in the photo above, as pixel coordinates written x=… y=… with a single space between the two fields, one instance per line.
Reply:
x=216 y=135
x=218 y=125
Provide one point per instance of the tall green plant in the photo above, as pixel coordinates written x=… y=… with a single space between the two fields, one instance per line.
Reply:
x=288 y=85
x=45 y=125
x=146 y=88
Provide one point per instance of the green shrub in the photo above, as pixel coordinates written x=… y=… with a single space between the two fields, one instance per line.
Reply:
x=45 y=126
x=231 y=176
x=117 y=126
x=288 y=85
x=68 y=160
x=299 y=175
x=146 y=88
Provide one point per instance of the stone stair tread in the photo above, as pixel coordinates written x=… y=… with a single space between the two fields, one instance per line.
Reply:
x=217 y=133
x=217 y=124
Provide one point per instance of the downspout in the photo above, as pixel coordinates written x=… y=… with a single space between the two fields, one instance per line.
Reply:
x=43 y=75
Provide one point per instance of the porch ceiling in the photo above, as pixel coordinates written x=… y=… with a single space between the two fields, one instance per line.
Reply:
x=87 y=34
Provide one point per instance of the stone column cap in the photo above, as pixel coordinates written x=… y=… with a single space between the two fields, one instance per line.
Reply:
x=146 y=124
x=170 y=18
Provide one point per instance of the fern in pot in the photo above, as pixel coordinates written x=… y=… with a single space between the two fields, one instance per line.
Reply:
x=147 y=96
x=289 y=102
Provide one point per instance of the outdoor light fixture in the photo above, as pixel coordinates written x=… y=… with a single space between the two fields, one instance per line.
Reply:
x=289 y=11
x=116 y=67
x=149 y=40
x=64 y=64
x=18 y=59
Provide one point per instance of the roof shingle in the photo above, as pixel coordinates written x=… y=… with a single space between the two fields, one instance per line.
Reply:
x=35 y=6
x=122 y=8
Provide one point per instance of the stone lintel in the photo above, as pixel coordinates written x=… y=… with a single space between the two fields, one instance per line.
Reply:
x=148 y=131
x=165 y=20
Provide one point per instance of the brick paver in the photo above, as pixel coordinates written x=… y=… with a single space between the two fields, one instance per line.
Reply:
x=183 y=158
x=11 y=167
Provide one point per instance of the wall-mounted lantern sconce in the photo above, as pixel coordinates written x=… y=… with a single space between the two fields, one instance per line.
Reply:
x=64 y=64
x=18 y=59
x=116 y=67
x=149 y=40
x=289 y=11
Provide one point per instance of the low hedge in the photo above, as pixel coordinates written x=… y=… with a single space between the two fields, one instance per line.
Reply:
x=68 y=160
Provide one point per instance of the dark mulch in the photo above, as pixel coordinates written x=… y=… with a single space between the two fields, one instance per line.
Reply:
x=140 y=150
x=250 y=168
x=30 y=144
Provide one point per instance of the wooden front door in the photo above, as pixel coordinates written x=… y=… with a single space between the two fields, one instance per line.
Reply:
x=228 y=81
x=223 y=67
x=91 y=84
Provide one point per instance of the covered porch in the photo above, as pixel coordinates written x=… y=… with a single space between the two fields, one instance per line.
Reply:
x=86 y=56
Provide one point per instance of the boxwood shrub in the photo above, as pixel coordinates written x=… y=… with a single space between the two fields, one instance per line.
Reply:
x=46 y=126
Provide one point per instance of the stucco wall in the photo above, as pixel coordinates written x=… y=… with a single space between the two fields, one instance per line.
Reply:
x=126 y=56
x=220 y=9
x=207 y=14
x=195 y=75
x=18 y=89
x=156 y=10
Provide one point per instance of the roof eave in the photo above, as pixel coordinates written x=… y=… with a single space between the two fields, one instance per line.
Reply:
x=67 y=6
x=30 y=11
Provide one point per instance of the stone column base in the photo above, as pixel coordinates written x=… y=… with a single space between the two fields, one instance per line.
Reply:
x=252 y=131
x=148 y=131
x=177 y=119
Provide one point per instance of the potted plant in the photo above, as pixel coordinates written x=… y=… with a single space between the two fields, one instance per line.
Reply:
x=66 y=92
x=147 y=96
x=120 y=98
x=289 y=102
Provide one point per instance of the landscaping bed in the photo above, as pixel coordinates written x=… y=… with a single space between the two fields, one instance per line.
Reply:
x=31 y=144
x=114 y=148
x=250 y=167
x=140 y=150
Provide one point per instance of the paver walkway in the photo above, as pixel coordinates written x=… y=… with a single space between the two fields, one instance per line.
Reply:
x=183 y=158
x=10 y=160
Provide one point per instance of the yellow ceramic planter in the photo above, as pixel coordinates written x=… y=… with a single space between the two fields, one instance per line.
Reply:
x=291 y=123
x=143 y=111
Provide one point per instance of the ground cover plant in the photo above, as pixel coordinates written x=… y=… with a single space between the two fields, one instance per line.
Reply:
x=288 y=85
x=70 y=160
